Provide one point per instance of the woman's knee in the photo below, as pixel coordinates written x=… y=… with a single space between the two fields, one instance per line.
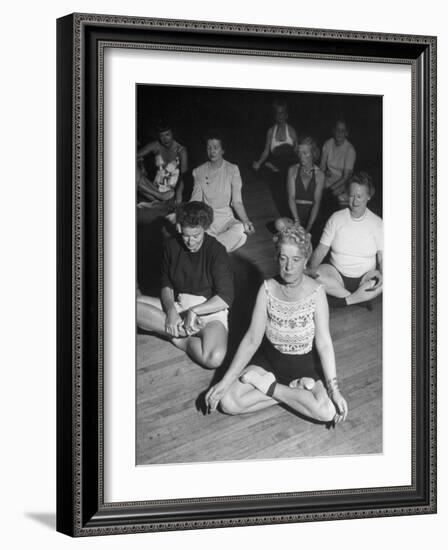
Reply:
x=214 y=358
x=326 y=410
x=230 y=404
x=143 y=312
x=283 y=223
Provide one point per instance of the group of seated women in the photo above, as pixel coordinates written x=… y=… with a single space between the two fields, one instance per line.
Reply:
x=275 y=361
x=217 y=183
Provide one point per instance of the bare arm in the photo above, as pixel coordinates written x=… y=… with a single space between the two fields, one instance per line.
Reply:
x=212 y=305
x=323 y=160
x=349 y=163
x=150 y=191
x=264 y=155
x=238 y=206
x=339 y=184
x=318 y=256
x=317 y=199
x=248 y=346
x=192 y=324
x=167 y=298
x=173 y=322
x=196 y=194
x=324 y=343
x=146 y=149
x=324 y=346
x=183 y=167
x=251 y=341
x=293 y=134
x=291 y=191
x=379 y=258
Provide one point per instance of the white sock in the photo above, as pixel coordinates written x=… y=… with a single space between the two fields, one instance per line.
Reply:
x=261 y=382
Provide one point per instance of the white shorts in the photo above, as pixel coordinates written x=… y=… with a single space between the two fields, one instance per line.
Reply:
x=185 y=301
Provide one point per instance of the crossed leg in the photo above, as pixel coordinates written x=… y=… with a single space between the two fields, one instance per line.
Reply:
x=244 y=398
x=207 y=347
x=330 y=277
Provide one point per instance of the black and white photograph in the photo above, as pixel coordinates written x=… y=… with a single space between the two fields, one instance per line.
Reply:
x=259 y=274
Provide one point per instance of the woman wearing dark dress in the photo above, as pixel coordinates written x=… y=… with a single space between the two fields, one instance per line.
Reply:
x=305 y=185
x=197 y=290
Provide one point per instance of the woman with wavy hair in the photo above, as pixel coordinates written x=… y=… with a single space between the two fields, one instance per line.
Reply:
x=196 y=290
x=305 y=184
x=354 y=238
x=290 y=317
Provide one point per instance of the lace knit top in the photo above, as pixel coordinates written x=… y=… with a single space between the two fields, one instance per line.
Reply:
x=290 y=325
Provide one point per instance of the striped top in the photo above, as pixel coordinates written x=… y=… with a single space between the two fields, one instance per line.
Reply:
x=290 y=325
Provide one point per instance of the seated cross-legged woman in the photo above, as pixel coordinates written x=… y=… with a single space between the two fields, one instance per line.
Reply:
x=305 y=184
x=218 y=183
x=290 y=315
x=197 y=290
x=354 y=238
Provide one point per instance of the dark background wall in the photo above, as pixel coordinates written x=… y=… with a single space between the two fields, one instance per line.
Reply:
x=244 y=116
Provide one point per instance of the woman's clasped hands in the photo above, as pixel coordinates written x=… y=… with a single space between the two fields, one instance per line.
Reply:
x=179 y=327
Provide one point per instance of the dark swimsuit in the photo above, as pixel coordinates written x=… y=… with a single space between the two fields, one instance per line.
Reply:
x=304 y=210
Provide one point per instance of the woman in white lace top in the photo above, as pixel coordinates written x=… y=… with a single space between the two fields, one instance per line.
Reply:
x=290 y=314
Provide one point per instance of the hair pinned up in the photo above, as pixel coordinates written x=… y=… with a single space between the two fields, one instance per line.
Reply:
x=294 y=235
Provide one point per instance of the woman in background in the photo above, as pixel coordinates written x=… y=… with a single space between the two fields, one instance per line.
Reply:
x=338 y=161
x=305 y=185
x=218 y=183
x=197 y=290
x=279 y=153
x=354 y=238
x=280 y=146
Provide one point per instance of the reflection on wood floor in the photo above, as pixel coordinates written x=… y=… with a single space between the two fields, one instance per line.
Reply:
x=171 y=427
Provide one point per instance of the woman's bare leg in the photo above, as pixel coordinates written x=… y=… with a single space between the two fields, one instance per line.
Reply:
x=332 y=281
x=150 y=315
x=208 y=347
x=313 y=403
x=243 y=398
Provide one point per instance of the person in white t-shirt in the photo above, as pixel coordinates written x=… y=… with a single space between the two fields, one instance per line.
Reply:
x=337 y=161
x=354 y=238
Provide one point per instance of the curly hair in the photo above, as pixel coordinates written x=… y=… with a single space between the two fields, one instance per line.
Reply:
x=163 y=125
x=213 y=133
x=362 y=178
x=297 y=235
x=308 y=140
x=193 y=214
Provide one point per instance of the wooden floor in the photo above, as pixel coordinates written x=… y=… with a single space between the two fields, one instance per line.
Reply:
x=171 y=425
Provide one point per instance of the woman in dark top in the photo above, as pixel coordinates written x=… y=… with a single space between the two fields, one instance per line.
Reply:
x=197 y=290
x=305 y=185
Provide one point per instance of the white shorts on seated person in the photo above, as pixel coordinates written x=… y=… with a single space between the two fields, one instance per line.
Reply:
x=185 y=301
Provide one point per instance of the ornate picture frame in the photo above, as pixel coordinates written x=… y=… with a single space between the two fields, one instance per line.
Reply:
x=81 y=506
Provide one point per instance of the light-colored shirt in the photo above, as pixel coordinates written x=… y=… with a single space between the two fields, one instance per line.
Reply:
x=339 y=158
x=354 y=243
x=290 y=325
x=217 y=188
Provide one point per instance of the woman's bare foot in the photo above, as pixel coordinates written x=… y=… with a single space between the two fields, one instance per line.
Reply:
x=304 y=383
